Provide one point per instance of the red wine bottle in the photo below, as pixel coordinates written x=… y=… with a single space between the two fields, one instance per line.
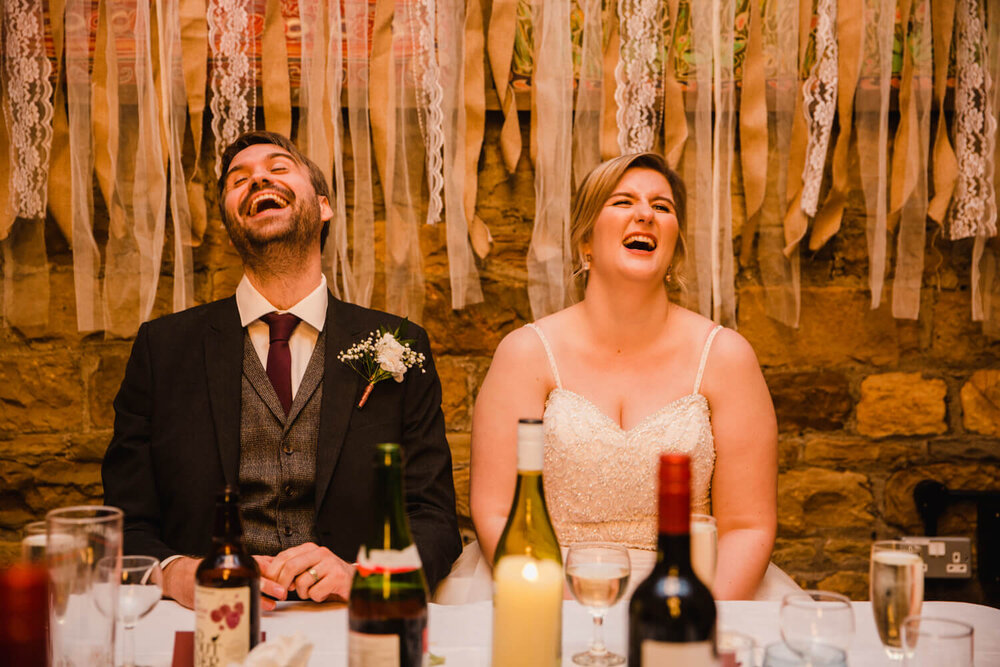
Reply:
x=227 y=592
x=387 y=610
x=672 y=613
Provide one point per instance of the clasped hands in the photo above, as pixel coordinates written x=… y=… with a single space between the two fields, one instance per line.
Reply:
x=313 y=572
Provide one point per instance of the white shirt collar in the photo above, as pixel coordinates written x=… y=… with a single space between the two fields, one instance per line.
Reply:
x=311 y=309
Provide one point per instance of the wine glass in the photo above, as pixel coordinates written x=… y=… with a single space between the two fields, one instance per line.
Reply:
x=931 y=641
x=139 y=589
x=704 y=547
x=780 y=654
x=598 y=576
x=811 y=618
x=896 y=587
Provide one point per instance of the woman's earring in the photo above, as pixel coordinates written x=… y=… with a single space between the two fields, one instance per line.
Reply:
x=586 y=262
x=667 y=277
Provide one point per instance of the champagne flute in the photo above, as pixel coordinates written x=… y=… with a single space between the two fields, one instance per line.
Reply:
x=896 y=587
x=139 y=589
x=810 y=618
x=704 y=547
x=931 y=642
x=598 y=576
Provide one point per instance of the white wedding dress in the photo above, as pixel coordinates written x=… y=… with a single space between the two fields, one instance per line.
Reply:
x=600 y=480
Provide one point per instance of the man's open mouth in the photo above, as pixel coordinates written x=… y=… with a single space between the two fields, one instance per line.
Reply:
x=642 y=242
x=266 y=201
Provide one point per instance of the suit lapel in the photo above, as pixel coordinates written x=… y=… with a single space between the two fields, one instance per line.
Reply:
x=224 y=368
x=340 y=387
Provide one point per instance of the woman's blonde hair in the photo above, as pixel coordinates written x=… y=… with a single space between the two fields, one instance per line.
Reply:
x=601 y=182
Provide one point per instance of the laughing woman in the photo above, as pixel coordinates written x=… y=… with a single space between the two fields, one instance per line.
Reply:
x=623 y=376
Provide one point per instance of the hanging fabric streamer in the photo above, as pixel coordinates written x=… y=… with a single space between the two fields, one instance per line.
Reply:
x=849 y=34
x=335 y=257
x=173 y=109
x=549 y=252
x=422 y=20
x=500 y=48
x=908 y=195
x=275 y=82
x=194 y=53
x=233 y=83
x=779 y=274
x=753 y=127
x=871 y=118
x=464 y=277
x=86 y=256
x=819 y=103
x=675 y=129
x=474 y=90
x=723 y=84
x=944 y=164
x=363 y=218
x=638 y=74
x=60 y=208
x=609 y=113
x=138 y=196
x=587 y=115
x=974 y=208
x=27 y=108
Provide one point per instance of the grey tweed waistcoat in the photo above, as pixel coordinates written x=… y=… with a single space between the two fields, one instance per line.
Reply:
x=278 y=456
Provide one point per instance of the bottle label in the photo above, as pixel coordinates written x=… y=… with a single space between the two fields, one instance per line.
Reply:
x=388 y=561
x=689 y=654
x=222 y=625
x=364 y=650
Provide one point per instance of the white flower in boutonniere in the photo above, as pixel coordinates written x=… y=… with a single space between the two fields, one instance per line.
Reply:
x=383 y=354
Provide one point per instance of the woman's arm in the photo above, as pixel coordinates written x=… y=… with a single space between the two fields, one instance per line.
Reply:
x=514 y=388
x=744 y=488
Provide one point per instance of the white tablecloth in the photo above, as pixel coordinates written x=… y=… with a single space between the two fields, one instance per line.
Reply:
x=461 y=633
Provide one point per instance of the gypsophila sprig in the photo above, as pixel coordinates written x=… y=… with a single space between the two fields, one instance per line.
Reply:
x=382 y=355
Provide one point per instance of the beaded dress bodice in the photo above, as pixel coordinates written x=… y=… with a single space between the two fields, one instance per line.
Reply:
x=600 y=479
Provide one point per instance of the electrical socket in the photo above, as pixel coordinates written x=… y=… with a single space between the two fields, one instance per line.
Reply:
x=945 y=557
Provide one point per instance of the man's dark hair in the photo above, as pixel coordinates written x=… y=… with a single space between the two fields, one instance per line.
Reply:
x=248 y=139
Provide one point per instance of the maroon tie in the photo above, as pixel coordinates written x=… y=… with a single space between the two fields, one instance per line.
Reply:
x=279 y=360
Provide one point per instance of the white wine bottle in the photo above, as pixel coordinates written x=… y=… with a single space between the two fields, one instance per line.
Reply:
x=527 y=568
x=387 y=611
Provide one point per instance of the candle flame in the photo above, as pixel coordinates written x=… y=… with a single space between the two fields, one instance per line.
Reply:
x=530 y=572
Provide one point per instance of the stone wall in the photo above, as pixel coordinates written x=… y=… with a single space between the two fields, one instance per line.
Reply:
x=867 y=405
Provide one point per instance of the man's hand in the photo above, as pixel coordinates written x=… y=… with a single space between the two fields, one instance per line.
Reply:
x=312 y=571
x=178 y=580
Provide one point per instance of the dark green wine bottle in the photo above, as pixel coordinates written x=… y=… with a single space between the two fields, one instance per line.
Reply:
x=387 y=611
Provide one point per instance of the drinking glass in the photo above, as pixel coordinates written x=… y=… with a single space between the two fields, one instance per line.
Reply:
x=896 y=587
x=77 y=539
x=779 y=654
x=33 y=543
x=929 y=642
x=808 y=618
x=704 y=547
x=735 y=649
x=598 y=576
x=139 y=589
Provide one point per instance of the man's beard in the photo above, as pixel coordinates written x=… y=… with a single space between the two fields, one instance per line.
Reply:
x=272 y=248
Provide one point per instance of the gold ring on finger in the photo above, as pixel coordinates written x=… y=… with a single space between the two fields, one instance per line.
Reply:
x=314 y=574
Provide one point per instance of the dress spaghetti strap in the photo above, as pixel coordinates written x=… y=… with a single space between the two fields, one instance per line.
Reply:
x=548 y=353
x=704 y=357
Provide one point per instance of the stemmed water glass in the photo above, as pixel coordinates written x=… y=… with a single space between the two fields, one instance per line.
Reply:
x=598 y=576
x=704 y=547
x=816 y=618
x=139 y=589
x=896 y=588
x=929 y=642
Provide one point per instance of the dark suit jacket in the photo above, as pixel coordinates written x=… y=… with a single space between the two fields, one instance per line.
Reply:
x=177 y=437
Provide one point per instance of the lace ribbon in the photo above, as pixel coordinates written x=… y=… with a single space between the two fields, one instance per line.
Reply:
x=356 y=14
x=637 y=74
x=974 y=208
x=173 y=108
x=462 y=273
x=549 y=252
x=849 y=36
x=422 y=19
x=871 y=118
x=587 y=115
x=233 y=84
x=778 y=25
x=819 y=103
x=908 y=196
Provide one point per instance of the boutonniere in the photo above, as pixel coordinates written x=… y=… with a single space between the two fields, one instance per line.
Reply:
x=382 y=355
